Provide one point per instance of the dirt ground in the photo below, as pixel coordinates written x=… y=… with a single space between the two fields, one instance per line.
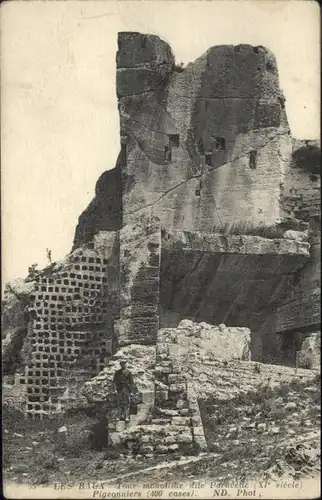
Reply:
x=262 y=434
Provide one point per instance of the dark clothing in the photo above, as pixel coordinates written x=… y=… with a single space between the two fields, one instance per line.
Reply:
x=124 y=404
x=123 y=380
x=98 y=438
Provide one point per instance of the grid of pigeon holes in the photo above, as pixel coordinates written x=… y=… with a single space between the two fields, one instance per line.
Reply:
x=68 y=304
x=303 y=203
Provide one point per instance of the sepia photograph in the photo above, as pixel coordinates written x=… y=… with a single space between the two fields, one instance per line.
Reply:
x=161 y=233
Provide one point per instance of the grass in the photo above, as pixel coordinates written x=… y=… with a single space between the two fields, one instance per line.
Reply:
x=309 y=158
x=34 y=452
x=218 y=413
x=41 y=455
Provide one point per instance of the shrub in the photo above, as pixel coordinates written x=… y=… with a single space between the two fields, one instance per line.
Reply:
x=195 y=448
x=33 y=272
x=42 y=478
x=179 y=68
x=309 y=158
x=283 y=390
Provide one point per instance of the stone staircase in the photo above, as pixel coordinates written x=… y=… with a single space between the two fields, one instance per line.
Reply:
x=167 y=420
x=117 y=427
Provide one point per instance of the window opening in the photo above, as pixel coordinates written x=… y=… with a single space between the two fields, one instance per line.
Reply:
x=174 y=140
x=208 y=158
x=253 y=160
x=167 y=154
x=220 y=144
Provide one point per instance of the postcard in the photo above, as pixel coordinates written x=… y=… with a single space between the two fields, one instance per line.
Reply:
x=161 y=249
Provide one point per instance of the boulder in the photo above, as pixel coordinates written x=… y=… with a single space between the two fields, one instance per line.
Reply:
x=310 y=353
x=295 y=235
x=212 y=342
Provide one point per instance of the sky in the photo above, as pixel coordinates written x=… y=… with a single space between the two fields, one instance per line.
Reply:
x=59 y=119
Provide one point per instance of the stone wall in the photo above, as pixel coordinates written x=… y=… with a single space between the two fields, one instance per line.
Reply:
x=176 y=396
x=188 y=371
x=139 y=282
x=301 y=193
x=140 y=360
x=174 y=405
x=174 y=424
x=72 y=335
x=228 y=379
x=301 y=308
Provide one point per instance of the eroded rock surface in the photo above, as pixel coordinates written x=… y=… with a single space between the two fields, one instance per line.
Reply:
x=189 y=135
x=207 y=341
x=15 y=318
x=310 y=353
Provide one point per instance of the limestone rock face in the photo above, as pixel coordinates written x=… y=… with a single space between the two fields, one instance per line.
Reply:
x=15 y=319
x=140 y=360
x=310 y=354
x=14 y=395
x=16 y=298
x=295 y=235
x=300 y=311
x=104 y=213
x=200 y=146
x=208 y=341
x=144 y=63
x=218 y=124
x=302 y=182
x=225 y=278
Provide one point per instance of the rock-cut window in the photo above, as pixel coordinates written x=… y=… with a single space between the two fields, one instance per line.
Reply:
x=198 y=189
x=174 y=140
x=220 y=144
x=201 y=147
x=167 y=154
x=208 y=158
x=253 y=160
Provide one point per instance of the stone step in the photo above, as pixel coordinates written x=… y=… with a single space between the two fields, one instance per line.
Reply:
x=161 y=421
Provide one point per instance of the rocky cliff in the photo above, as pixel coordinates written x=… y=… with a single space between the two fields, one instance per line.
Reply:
x=104 y=213
x=210 y=214
x=201 y=146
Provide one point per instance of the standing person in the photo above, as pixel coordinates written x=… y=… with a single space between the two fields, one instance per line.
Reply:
x=123 y=386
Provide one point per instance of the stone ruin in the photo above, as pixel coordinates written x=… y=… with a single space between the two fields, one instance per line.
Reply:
x=211 y=214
